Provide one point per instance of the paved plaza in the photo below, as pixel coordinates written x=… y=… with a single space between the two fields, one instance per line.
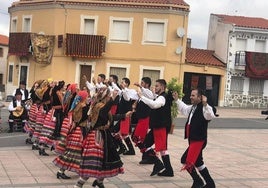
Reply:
x=236 y=158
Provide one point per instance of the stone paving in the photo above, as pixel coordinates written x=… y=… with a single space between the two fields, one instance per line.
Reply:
x=236 y=158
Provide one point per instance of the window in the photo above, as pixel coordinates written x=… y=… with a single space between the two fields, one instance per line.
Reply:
x=23 y=73
x=1 y=52
x=241 y=44
x=153 y=74
x=1 y=79
x=14 y=24
x=240 y=58
x=120 y=30
x=120 y=72
x=260 y=46
x=10 y=73
x=237 y=84
x=27 y=22
x=256 y=87
x=154 y=31
x=88 y=25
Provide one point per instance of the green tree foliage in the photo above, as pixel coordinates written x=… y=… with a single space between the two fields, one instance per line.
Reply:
x=174 y=86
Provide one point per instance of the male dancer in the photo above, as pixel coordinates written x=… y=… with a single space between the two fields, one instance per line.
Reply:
x=142 y=113
x=160 y=123
x=199 y=114
x=123 y=125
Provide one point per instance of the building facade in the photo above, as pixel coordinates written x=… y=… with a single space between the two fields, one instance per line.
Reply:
x=3 y=64
x=202 y=69
x=242 y=43
x=65 y=40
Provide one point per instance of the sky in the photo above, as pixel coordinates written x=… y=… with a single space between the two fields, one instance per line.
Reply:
x=198 y=22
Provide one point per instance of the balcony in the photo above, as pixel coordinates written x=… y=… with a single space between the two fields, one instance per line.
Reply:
x=19 y=44
x=85 y=46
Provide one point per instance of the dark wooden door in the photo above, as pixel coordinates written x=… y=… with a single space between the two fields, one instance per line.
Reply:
x=85 y=70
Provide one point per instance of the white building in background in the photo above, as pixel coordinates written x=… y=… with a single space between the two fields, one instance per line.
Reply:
x=242 y=42
x=3 y=64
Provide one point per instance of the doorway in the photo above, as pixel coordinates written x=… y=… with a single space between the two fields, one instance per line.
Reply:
x=210 y=84
x=84 y=70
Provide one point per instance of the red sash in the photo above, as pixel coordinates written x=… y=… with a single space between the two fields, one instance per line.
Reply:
x=194 y=150
x=160 y=139
x=113 y=109
x=141 y=129
x=124 y=126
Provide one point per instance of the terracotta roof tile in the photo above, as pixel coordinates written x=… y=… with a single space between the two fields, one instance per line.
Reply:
x=3 y=40
x=202 y=57
x=242 y=21
x=156 y=4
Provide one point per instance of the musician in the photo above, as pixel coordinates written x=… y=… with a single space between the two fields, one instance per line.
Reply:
x=24 y=91
x=18 y=111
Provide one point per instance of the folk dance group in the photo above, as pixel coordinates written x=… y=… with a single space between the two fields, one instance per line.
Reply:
x=90 y=128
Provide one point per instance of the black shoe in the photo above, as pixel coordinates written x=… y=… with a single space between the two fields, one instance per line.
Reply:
x=129 y=152
x=10 y=131
x=35 y=147
x=198 y=184
x=99 y=184
x=166 y=173
x=62 y=175
x=158 y=166
x=146 y=159
x=122 y=151
x=52 y=148
x=42 y=152
x=28 y=141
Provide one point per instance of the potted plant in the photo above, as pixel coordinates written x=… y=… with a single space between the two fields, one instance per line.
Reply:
x=174 y=86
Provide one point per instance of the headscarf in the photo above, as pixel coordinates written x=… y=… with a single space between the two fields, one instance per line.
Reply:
x=81 y=96
x=68 y=96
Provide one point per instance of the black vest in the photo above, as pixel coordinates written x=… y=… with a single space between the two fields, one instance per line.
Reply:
x=198 y=124
x=124 y=106
x=142 y=110
x=161 y=117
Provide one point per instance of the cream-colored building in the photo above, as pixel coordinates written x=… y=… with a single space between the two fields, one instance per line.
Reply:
x=65 y=39
x=3 y=64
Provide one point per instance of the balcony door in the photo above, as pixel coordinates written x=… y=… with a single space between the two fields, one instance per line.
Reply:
x=85 y=70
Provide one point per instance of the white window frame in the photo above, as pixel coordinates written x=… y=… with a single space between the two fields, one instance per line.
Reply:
x=23 y=22
x=87 y=17
x=78 y=71
x=125 y=66
x=144 y=36
x=12 y=29
x=111 y=25
x=161 y=69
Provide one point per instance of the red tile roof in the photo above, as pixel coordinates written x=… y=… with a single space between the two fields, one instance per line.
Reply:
x=3 y=40
x=202 y=57
x=243 y=21
x=158 y=4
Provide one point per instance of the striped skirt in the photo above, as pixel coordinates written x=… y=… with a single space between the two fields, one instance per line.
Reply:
x=48 y=129
x=60 y=145
x=100 y=158
x=30 y=124
x=40 y=117
x=71 y=158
